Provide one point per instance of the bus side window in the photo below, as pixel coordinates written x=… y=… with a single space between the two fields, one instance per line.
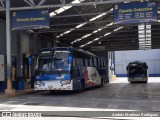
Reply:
x=79 y=61
x=86 y=62
x=95 y=62
x=90 y=62
x=102 y=62
x=98 y=62
x=74 y=62
x=105 y=63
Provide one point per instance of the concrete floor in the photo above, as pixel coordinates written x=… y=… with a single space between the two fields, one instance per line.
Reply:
x=116 y=96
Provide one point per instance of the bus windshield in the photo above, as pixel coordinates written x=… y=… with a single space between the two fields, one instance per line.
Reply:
x=60 y=60
x=56 y=61
x=44 y=61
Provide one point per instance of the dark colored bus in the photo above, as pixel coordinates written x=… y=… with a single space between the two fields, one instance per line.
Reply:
x=137 y=72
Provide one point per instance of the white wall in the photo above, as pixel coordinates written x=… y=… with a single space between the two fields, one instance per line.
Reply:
x=152 y=57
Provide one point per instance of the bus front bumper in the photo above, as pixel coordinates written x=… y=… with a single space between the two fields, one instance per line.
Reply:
x=54 y=85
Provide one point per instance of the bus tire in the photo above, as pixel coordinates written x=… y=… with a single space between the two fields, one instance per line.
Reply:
x=132 y=82
x=51 y=92
x=145 y=82
x=102 y=83
x=82 y=89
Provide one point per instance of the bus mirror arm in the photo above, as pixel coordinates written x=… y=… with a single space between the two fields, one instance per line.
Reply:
x=30 y=60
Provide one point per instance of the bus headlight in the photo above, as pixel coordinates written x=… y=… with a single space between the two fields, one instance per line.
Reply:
x=65 y=82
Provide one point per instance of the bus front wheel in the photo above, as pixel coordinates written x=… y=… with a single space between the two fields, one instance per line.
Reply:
x=51 y=92
x=82 y=86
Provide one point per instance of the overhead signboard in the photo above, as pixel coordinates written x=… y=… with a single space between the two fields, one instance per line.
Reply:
x=137 y=12
x=30 y=19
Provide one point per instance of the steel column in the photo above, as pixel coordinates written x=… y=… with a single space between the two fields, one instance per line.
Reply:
x=8 y=49
x=8 y=39
x=20 y=80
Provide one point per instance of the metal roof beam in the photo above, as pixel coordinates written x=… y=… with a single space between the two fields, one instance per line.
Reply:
x=41 y=2
x=1 y=7
x=110 y=44
x=114 y=45
x=29 y=3
x=61 y=30
x=81 y=15
x=2 y=4
x=70 y=4
x=84 y=14
x=63 y=1
x=87 y=29
x=68 y=24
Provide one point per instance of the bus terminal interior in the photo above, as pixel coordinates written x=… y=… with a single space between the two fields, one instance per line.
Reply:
x=81 y=24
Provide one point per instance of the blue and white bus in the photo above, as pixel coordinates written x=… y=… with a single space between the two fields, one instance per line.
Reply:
x=69 y=69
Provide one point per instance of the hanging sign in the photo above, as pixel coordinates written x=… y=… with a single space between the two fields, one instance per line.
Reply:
x=136 y=12
x=30 y=19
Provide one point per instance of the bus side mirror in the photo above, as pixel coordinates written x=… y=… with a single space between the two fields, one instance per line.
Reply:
x=30 y=60
x=70 y=58
x=127 y=68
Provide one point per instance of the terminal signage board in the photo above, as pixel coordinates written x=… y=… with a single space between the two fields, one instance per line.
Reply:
x=135 y=13
x=30 y=19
